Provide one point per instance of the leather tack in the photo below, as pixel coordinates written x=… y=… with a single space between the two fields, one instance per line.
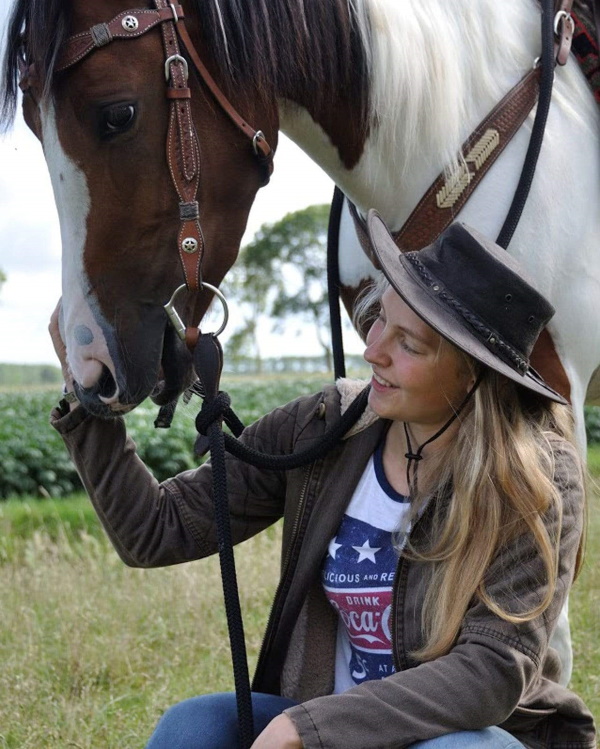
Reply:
x=179 y=93
x=438 y=208
x=446 y=196
x=79 y=46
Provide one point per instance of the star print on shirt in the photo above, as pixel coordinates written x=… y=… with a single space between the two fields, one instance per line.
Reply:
x=333 y=547
x=366 y=552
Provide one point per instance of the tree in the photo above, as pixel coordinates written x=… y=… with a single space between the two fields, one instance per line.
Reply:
x=2 y=278
x=282 y=273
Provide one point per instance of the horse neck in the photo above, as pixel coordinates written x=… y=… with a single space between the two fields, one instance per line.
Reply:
x=436 y=69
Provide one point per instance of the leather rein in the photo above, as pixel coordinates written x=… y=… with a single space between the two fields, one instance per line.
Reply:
x=182 y=145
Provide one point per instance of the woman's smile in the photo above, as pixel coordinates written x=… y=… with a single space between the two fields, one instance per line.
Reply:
x=380 y=383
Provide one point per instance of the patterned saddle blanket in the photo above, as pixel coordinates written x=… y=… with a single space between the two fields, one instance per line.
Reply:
x=585 y=42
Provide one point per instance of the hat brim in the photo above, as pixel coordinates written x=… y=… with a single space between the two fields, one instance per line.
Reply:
x=439 y=316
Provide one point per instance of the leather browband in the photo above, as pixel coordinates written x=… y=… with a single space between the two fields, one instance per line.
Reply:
x=79 y=46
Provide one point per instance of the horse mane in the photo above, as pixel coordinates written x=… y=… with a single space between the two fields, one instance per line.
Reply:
x=46 y=23
x=433 y=63
x=413 y=71
x=297 y=49
x=285 y=47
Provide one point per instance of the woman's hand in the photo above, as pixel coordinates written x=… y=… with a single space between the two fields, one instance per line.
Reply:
x=59 y=344
x=279 y=734
x=61 y=351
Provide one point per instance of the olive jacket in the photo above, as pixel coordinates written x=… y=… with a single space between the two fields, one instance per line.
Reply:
x=497 y=673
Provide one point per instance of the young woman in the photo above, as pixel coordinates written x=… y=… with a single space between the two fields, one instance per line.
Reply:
x=426 y=557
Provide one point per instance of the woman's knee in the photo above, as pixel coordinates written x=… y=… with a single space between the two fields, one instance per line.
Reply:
x=211 y=721
x=487 y=738
x=205 y=722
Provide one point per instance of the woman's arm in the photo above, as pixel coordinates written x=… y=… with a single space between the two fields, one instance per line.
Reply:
x=153 y=524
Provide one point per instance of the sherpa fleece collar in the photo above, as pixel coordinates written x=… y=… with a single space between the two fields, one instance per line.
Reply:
x=349 y=389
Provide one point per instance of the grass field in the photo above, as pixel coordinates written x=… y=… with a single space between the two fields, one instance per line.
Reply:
x=92 y=652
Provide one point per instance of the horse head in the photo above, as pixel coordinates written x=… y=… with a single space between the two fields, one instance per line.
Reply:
x=133 y=175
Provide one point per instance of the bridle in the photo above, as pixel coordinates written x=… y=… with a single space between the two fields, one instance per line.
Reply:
x=182 y=145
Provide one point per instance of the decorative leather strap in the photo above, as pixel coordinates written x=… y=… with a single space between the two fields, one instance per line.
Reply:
x=257 y=137
x=447 y=195
x=127 y=25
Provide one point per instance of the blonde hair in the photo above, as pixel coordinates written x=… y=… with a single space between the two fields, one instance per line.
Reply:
x=494 y=482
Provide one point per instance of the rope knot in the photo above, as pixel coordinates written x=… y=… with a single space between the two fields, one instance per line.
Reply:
x=212 y=412
x=413 y=456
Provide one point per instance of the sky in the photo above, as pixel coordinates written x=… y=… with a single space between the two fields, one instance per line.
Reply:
x=30 y=248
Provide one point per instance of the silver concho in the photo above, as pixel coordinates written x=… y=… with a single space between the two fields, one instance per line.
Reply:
x=189 y=244
x=130 y=23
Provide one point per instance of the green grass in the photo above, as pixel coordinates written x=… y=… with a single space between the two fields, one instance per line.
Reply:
x=93 y=652
x=585 y=601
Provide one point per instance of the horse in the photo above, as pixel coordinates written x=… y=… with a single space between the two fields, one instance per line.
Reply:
x=379 y=93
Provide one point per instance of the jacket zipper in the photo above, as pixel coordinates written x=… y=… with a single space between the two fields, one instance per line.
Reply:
x=395 y=587
x=395 y=659
x=288 y=568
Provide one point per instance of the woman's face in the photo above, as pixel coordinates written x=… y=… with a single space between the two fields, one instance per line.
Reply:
x=417 y=376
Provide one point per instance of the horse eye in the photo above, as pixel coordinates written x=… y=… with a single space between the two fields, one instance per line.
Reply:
x=116 y=119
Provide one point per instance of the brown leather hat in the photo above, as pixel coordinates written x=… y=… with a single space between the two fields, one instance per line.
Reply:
x=473 y=293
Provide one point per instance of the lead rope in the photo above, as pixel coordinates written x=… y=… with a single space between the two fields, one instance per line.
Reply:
x=333 y=283
x=547 y=63
x=208 y=363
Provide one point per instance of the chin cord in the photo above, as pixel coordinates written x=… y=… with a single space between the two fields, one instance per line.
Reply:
x=414 y=458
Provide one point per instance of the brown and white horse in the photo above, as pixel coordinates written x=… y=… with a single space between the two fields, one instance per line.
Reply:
x=380 y=93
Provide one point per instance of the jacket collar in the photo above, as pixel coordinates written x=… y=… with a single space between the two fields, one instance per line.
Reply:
x=348 y=390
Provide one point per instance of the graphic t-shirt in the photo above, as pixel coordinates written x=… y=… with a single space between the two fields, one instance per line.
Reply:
x=357 y=576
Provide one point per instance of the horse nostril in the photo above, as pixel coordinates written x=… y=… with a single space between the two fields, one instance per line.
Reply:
x=105 y=386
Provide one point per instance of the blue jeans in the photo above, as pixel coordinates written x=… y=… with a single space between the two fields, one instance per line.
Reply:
x=210 y=722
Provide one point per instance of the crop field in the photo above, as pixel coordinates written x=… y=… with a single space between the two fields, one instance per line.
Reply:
x=93 y=652
x=34 y=460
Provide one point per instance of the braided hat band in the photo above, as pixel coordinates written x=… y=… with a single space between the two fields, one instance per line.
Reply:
x=474 y=294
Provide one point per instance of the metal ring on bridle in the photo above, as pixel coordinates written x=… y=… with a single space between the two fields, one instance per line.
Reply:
x=176 y=58
x=258 y=135
x=178 y=323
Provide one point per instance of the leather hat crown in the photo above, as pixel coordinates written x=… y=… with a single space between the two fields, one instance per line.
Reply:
x=474 y=294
